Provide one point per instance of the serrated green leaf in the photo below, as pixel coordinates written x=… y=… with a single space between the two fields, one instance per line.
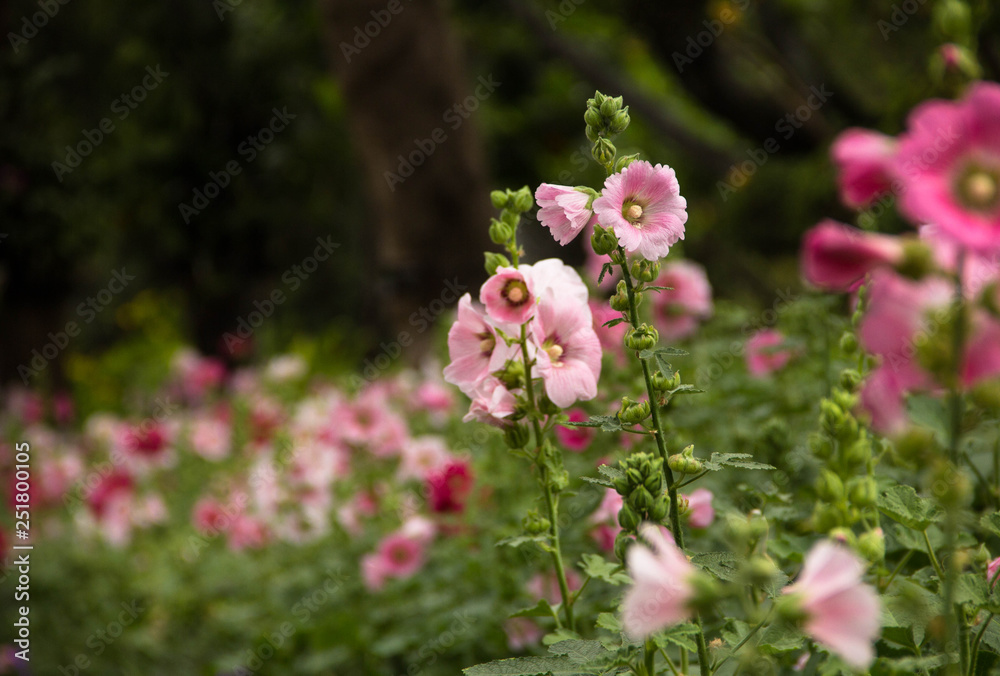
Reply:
x=541 y=609
x=680 y=635
x=902 y=504
x=559 y=635
x=991 y=522
x=527 y=666
x=780 y=638
x=609 y=622
x=598 y=567
x=724 y=565
x=606 y=269
x=579 y=652
x=614 y=322
x=741 y=460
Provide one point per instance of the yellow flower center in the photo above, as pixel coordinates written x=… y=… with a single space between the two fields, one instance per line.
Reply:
x=634 y=213
x=555 y=352
x=515 y=294
x=487 y=344
x=981 y=189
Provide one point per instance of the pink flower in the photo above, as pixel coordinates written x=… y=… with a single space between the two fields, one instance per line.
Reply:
x=701 y=514
x=471 y=342
x=883 y=395
x=564 y=211
x=606 y=518
x=575 y=438
x=509 y=297
x=247 y=532
x=864 y=160
x=197 y=374
x=521 y=633
x=978 y=270
x=553 y=276
x=612 y=337
x=107 y=489
x=492 y=403
x=949 y=160
x=449 y=486
x=991 y=571
x=397 y=556
x=661 y=586
x=764 y=354
x=421 y=456
x=842 y=612
x=210 y=438
x=569 y=354
x=209 y=516
x=982 y=352
x=835 y=257
x=679 y=310
x=644 y=207
x=546 y=585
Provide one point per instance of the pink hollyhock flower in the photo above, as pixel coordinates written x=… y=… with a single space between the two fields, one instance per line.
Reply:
x=575 y=439
x=679 y=310
x=701 y=514
x=569 y=354
x=434 y=398
x=109 y=488
x=57 y=475
x=546 y=585
x=471 y=343
x=978 y=270
x=949 y=160
x=883 y=395
x=509 y=297
x=835 y=256
x=197 y=374
x=419 y=528
x=210 y=438
x=842 y=613
x=991 y=571
x=606 y=518
x=764 y=354
x=397 y=556
x=492 y=403
x=553 y=276
x=864 y=161
x=148 y=440
x=449 y=486
x=247 y=532
x=661 y=585
x=644 y=207
x=209 y=517
x=521 y=633
x=421 y=456
x=982 y=352
x=564 y=211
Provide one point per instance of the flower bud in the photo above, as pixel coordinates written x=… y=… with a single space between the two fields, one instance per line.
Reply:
x=917 y=261
x=859 y=452
x=499 y=199
x=627 y=518
x=645 y=271
x=789 y=608
x=693 y=466
x=604 y=151
x=622 y=543
x=641 y=499
x=826 y=518
x=850 y=379
x=829 y=486
x=559 y=481
x=759 y=570
x=624 y=160
x=619 y=302
x=844 y=536
x=660 y=509
x=683 y=506
x=535 y=524
x=642 y=337
x=634 y=476
x=871 y=545
x=603 y=241
x=594 y=119
x=633 y=412
x=494 y=261
x=523 y=200
x=618 y=258
x=677 y=463
x=981 y=555
x=758 y=524
x=864 y=492
x=500 y=232
x=512 y=374
x=953 y=19
x=619 y=122
x=609 y=107
x=849 y=342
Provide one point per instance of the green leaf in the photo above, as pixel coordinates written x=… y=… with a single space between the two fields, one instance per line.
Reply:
x=685 y=388
x=518 y=540
x=680 y=635
x=780 y=638
x=609 y=622
x=991 y=522
x=527 y=666
x=541 y=609
x=614 y=322
x=902 y=504
x=720 y=460
x=971 y=588
x=560 y=635
x=659 y=355
x=598 y=567
x=724 y=565
x=656 y=288
x=579 y=652
x=608 y=476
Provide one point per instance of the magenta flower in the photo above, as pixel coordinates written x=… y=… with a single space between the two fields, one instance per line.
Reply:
x=835 y=257
x=991 y=571
x=509 y=297
x=644 y=207
x=605 y=518
x=701 y=514
x=864 y=161
x=883 y=395
x=661 y=586
x=397 y=556
x=842 y=613
x=564 y=210
x=449 y=486
x=681 y=309
x=575 y=439
x=569 y=352
x=949 y=161
x=765 y=354
x=471 y=342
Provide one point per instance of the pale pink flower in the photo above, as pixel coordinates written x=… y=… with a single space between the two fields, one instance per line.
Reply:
x=57 y=475
x=434 y=398
x=509 y=297
x=210 y=438
x=661 y=588
x=422 y=455
x=701 y=514
x=546 y=585
x=765 y=354
x=644 y=207
x=991 y=571
x=606 y=519
x=679 y=311
x=569 y=354
x=419 y=528
x=471 y=343
x=247 y=532
x=553 y=276
x=864 y=161
x=949 y=161
x=521 y=633
x=397 y=556
x=842 y=613
x=835 y=257
x=575 y=439
x=491 y=403
x=564 y=211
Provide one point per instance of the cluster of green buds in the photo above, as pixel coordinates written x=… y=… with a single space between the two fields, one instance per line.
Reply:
x=643 y=494
x=535 y=524
x=663 y=383
x=642 y=337
x=685 y=462
x=605 y=116
x=604 y=241
x=633 y=412
x=503 y=230
x=645 y=271
x=619 y=301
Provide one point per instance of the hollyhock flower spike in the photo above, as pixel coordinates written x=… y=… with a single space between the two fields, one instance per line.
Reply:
x=662 y=588
x=864 y=160
x=644 y=207
x=564 y=210
x=835 y=257
x=841 y=612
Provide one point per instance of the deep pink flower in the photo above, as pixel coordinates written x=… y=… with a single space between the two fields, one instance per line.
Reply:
x=606 y=519
x=681 y=309
x=864 y=161
x=949 y=161
x=842 y=612
x=449 y=486
x=764 y=354
x=575 y=438
x=564 y=211
x=644 y=207
x=110 y=486
x=897 y=312
x=397 y=556
x=883 y=395
x=471 y=342
x=978 y=270
x=991 y=571
x=569 y=352
x=982 y=352
x=662 y=588
x=148 y=440
x=835 y=256
x=701 y=514
x=509 y=297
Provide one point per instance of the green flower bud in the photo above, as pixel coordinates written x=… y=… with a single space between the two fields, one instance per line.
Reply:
x=546 y=406
x=677 y=463
x=693 y=466
x=844 y=536
x=603 y=241
x=849 y=342
x=516 y=436
x=758 y=570
x=789 y=608
x=622 y=543
x=758 y=524
x=604 y=151
x=642 y=337
x=918 y=260
x=624 y=160
x=511 y=374
x=826 y=518
x=592 y=134
x=500 y=232
x=633 y=412
x=619 y=122
x=660 y=509
x=494 y=261
x=523 y=200
x=621 y=486
x=645 y=271
x=871 y=545
x=634 y=477
x=535 y=524
x=609 y=107
x=829 y=486
x=850 y=379
x=661 y=383
x=654 y=482
x=510 y=218
x=953 y=19
x=619 y=302
x=738 y=528
x=820 y=446
x=986 y=395
x=705 y=591
x=864 y=492
x=641 y=499
x=628 y=519
x=594 y=119
x=499 y=199
x=981 y=555
x=859 y=452
x=559 y=481
x=916 y=444
x=618 y=258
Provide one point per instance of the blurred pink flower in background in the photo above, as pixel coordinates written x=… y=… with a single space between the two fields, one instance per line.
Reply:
x=449 y=486
x=605 y=519
x=521 y=633
x=864 y=162
x=575 y=439
x=661 y=585
x=680 y=310
x=835 y=257
x=398 y=556
x=701 y=514
x=765 y=354
x=546 y=585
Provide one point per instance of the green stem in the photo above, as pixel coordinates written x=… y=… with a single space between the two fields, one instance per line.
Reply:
x=975 y=645
x=899 y=567
x=703 y=661
x=933 y=558
x=670 y=662
x=650 y=658
x=743 y=641
x=551 y=501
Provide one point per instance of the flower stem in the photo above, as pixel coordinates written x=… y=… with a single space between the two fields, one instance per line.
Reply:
x=975 y=645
